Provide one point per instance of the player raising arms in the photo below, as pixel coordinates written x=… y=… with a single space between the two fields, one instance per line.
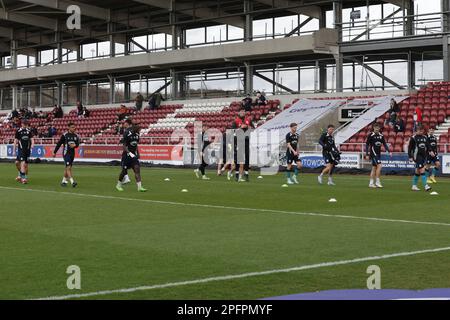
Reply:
x=373 y=152
x=292 y=154
x=70 y=141
x=130 y=156
x=330 y=154
x=418 y=151
x=433 y=163
x=23 y=143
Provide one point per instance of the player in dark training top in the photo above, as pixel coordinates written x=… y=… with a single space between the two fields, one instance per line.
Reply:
x=375 y=141
x=433 y=163
x=331 y=154
x=203 y=141
x=23 y=143
x=130 y=156
x=71 y=142
x=292 y=154
x=418 y=151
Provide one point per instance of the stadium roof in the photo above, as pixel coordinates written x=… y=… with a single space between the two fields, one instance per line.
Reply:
x=34 y=22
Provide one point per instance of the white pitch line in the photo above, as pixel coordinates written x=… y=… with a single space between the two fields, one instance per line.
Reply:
x=243 y=275
x=199 y=205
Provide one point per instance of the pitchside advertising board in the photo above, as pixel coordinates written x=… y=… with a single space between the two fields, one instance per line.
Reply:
x=446 y=164
x=315 y=160
x=172 y=155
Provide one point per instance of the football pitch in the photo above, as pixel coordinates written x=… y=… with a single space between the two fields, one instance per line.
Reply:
x=219 y=240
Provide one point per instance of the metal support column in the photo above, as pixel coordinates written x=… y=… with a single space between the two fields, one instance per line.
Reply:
x=337 y=15
x=411 y=71
x=248 y=27
x=445 y=6
x=174 y=85
x=248 y=87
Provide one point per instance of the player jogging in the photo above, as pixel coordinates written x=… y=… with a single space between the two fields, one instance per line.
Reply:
x=204 y=143
x=130 y=157
x=226 y=162
x=373 y=152
x=70 y=141
x=23 y=143
x=125 y=125
x=331 y=155
x=292 y=154
x=418 y=151
x=433 y=163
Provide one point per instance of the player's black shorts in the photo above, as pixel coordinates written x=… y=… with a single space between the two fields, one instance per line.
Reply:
x=23 y=155
x=68 y=159
x=432 y=160
x=291 y=158
x=129 y=162
x=329 y=158
x=420 y=162
x=376 y=159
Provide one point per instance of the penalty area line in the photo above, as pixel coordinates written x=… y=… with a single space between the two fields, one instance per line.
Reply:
x=243 y=275
x=220 y=207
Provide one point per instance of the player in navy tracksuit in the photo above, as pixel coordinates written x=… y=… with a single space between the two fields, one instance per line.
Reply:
x=374 y=142
x=23 y=143
x=331 y=154
x=71 y=142
x=418 y=151
x=433 y=163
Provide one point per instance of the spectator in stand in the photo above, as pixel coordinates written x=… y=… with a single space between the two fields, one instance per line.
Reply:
x=392 y=119
x=34 y=114
x=58 y=112
x=14 y=114
x=138 y=101
x=260 y=99
x=52 y=131
x=399 y=125
x=417 y=117
x=79 y=109
x=155 y=100
x=85 y=113
x=247 y=103
x=123 y=111
x=394 y=106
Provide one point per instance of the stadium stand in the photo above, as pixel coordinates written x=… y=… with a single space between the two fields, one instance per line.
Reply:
x=433 y=100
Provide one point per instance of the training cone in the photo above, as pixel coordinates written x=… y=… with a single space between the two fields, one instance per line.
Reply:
x=260 y=177
x=332 y=200
x=284 y=186
x=184 y=190
x=434 y=193
x=167 y=179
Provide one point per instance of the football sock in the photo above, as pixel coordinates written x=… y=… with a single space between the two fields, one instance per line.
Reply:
x=139 y=184
x=71 y=180
x=378 y=181
x=424 y=179
x=429 y=171
x=64 y=180
x=119 y=183
x=288 y=173
x=371 y=181
x=415 y=179
x=434 y=172
x=295 y=171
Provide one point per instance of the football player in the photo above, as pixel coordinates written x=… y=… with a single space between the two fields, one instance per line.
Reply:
x=292 y=154
x=23 y=143
x=71 y=142
x=374 y=142
x=433 y=163
x=331 y=155
x=204 y=142
x=418 y=151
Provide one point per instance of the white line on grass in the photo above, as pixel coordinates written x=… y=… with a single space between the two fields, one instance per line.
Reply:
x=210 y=206
x=243 y=275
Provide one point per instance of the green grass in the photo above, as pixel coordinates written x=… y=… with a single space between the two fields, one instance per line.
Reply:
x=120 y=243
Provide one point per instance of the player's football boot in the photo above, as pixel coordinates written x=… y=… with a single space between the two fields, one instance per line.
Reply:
x=289 y=181
x=429 y=181
x=126 y=180
x=415 y=188
x=331 y=183
x=229 y=175
x=119 y=188
x=294 y=179
x=24 y=181
x=142 y=189
x=197 y=173
x=74 y=184
x=319 y=179
x=63 y=184
x=428 y=188
x=433 y=179
x=378 y=185
x=371 y=185
x=205 y=178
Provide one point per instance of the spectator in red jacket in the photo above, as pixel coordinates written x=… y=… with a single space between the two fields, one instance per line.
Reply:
x=417 y=117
